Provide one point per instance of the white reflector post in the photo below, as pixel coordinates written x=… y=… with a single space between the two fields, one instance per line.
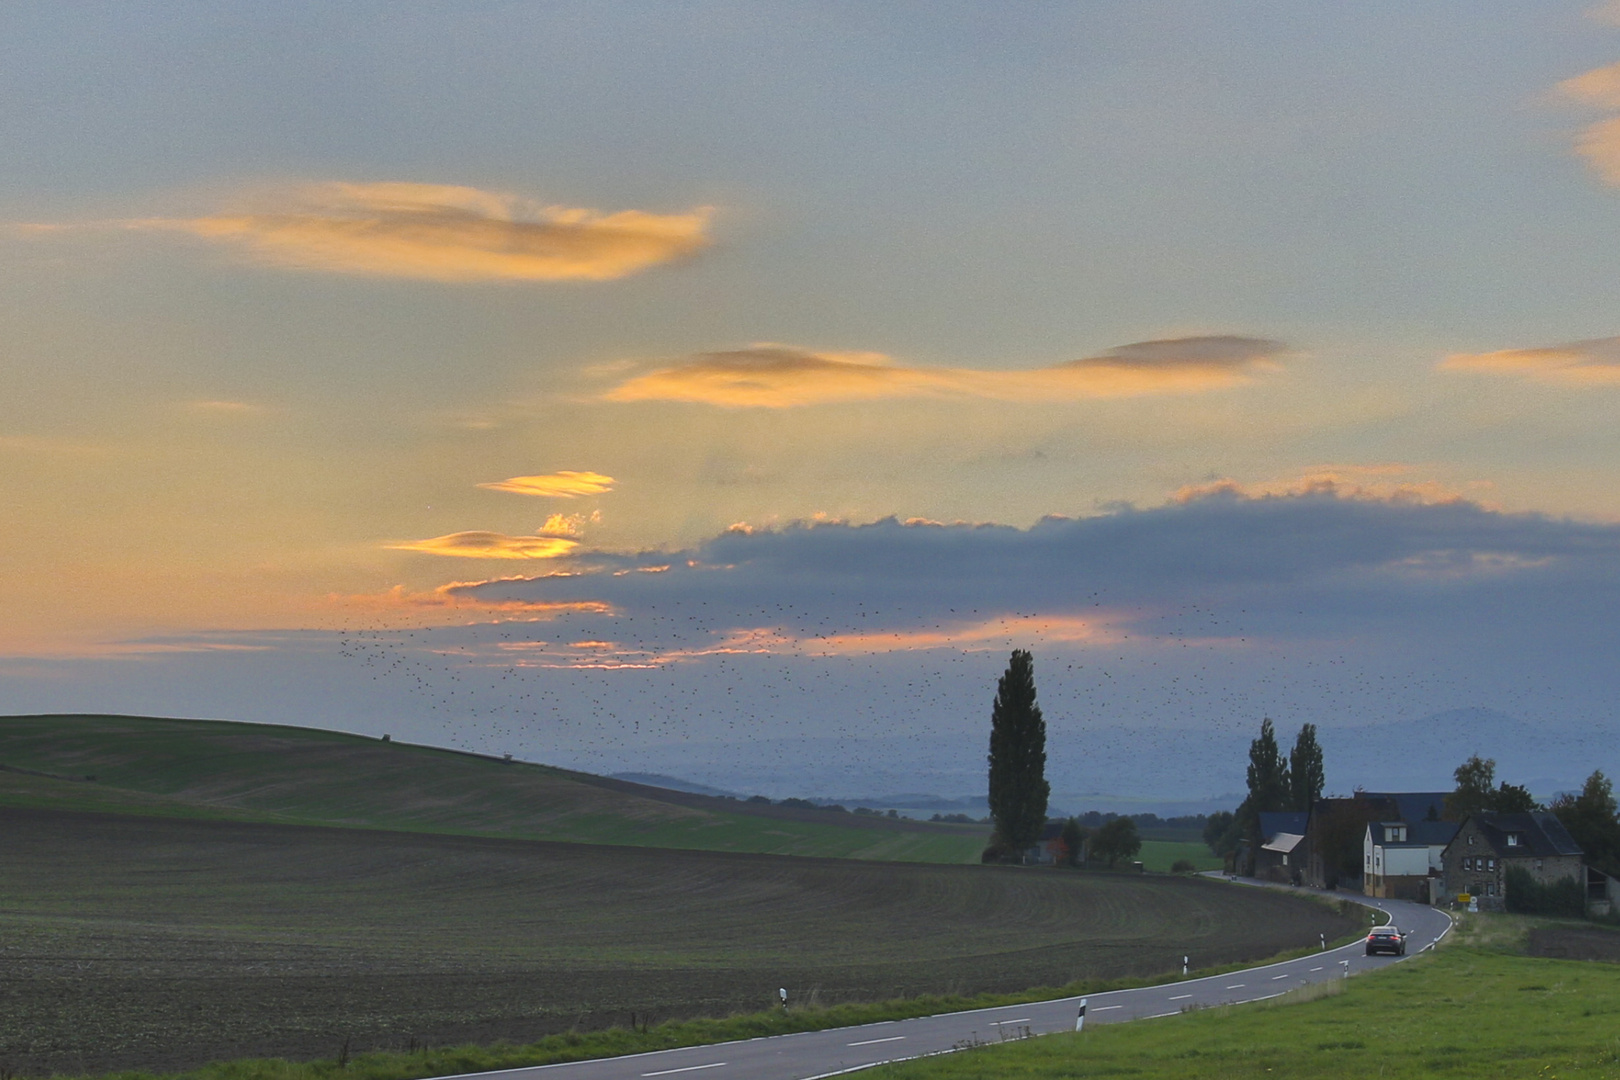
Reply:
x=1080 y=1021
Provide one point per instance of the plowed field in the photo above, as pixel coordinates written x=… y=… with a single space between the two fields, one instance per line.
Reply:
x=157 y=943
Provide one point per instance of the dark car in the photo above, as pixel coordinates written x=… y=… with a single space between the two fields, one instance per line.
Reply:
x=1386 y=939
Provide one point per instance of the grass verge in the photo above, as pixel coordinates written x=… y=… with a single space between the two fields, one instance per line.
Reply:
x=1471 y=1009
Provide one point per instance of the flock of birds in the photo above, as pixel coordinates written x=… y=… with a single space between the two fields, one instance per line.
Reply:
x=608 y=690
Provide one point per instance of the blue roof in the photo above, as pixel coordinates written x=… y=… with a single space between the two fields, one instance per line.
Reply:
x=1273 y=822
x=1414 y=806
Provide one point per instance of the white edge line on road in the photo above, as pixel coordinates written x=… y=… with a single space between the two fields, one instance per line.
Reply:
x=1020 y=1020
x=688 y=1068
x=869 y=1042
x=1450 y=925
x=1161 y=1016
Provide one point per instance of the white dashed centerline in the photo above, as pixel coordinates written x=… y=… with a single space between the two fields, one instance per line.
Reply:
x=870 y=1042
x=1284 y=975
x=1316 y=969
x=1181 y=997
x=1237 y=986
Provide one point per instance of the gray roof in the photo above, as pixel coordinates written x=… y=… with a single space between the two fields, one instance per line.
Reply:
x=1418 y=833
x=1541 y=834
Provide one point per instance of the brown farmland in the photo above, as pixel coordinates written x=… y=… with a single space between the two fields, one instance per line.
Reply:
x=160 y=944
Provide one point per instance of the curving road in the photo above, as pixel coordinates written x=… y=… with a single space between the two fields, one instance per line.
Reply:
x=812 y=1055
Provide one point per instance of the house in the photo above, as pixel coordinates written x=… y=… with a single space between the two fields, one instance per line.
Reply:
x=1279 y=859
x=1402 y=860
x=1267 y=861
x=1050 y=848
x=1476 y=861
x=1333 y=851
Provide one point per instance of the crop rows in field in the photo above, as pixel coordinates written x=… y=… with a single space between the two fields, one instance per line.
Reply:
x=162 y=943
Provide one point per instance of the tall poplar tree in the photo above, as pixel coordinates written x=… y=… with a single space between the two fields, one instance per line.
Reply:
x=1269 y=786
x=1018 y=787
x=1306 y=776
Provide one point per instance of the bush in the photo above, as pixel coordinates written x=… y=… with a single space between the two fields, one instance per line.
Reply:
x=1183 y=866
x=1527 y=896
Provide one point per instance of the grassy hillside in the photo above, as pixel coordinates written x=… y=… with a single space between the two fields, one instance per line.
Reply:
x=164 y=943
x=1466 y=1011
x=213 y=769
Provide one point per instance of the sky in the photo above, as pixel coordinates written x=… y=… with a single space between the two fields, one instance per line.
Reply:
x=725 y=388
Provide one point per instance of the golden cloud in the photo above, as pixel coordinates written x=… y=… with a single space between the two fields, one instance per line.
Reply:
x=478 y=544
x=434 y=232
x=557 y=485
x=780 y=376
x=1580 y=363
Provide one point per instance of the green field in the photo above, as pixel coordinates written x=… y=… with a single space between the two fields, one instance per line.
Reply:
x=162 y=943
x=213 y=769
x=1161 y=855
x=1469 y=1010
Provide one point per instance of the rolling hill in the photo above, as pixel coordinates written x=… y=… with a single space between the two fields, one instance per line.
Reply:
x=291 y=775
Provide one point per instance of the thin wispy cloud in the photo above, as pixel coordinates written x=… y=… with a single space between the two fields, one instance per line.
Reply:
x=557 y=485
x=1389 y=482
x=1598 y=143
x=782 y=376
x=433 y=232
x=1595 y=362
x=478 y=544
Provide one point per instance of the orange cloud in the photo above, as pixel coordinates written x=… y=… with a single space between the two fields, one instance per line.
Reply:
x=478 y=544
x=780 y=376
x=455 y=601
x=434 y=232
x=991 y=633
x=557 y=485
x=1580 y=363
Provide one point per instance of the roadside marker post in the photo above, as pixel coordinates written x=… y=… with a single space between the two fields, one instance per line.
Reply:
x=782 y=993
x=1080 y=1020
x=1324 y=940
x=1346 y=965
x=1184 y=967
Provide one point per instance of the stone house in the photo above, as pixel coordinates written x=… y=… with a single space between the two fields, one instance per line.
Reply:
x=1476 y=861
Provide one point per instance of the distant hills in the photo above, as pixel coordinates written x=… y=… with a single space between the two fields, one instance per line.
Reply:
x=261 y=772
x=1153 y=768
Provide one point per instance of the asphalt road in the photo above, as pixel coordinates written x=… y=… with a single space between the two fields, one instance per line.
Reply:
x=814 y=1054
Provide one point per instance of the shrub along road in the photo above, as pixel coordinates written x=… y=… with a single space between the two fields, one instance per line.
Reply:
x=812 y=1055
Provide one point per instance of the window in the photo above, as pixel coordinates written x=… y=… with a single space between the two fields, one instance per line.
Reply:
x=1470 y=839
x=1491 y=864
x=1513 y=839
x=1490 y=889
x=1538 y=864
x=1468 y=863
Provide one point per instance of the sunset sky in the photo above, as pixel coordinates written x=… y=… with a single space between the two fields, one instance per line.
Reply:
x=625 y=384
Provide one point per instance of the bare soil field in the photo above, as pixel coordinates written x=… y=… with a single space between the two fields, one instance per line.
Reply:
x=1573 y=941
x=130 y=942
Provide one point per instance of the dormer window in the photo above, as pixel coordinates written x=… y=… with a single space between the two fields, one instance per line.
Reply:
x=1513 y=839
x=1397 y=835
